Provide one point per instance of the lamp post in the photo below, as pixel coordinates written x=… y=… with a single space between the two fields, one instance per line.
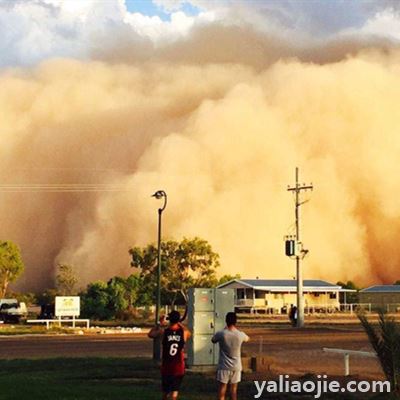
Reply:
x=157 y=341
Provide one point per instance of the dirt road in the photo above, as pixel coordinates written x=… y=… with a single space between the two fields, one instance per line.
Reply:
x=300 y=352
x=44 y=346
x=296 y=352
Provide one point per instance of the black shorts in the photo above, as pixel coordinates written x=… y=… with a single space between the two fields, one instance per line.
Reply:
x=171 y=383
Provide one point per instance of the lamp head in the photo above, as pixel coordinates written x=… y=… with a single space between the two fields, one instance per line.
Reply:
x=159 y=194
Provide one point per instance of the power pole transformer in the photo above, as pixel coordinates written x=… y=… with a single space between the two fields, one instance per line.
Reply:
x=293 y=247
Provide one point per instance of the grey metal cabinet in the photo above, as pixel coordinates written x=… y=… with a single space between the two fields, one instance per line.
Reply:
x=204 y=322
x=224 y=303
x=202 y=299
x=207 y=309
x=201 y=350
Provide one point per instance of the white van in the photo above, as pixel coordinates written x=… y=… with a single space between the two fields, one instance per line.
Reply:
x=11 y=310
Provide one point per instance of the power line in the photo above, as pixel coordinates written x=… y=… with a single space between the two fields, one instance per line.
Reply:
x=58 y=185
x=65 y=191
x=72 y=169
x=62 y=187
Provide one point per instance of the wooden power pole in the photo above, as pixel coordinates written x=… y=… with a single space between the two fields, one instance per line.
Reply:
x=299 y=273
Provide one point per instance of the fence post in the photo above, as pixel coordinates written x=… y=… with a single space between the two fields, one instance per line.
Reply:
x=346 y=364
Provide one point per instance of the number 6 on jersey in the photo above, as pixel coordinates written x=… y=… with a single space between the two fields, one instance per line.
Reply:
x=173 y=349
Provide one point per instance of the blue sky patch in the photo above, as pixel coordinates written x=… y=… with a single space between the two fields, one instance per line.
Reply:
x=147 y=7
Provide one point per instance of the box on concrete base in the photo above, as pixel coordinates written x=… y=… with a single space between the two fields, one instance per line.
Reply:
x=207 y=309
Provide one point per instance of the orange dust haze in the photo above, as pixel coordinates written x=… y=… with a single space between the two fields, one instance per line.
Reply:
x=221 y=132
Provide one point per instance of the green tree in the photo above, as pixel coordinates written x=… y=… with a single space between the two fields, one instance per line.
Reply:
x=66 y=280
x=185 y=264
x=385 y=340
x=227 y=278
x=136 y=293
x=117 y=294
x=114 y=299
x=11 y=265
x=95 y=301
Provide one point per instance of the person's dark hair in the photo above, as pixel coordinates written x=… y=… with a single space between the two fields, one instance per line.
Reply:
x=174 y=317
x=230 y=319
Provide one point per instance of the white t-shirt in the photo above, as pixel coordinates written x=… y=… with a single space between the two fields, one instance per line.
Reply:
x=230 y=344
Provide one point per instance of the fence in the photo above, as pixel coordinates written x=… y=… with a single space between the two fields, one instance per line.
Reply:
x=59 y=321
x=350 y=308
x=347 y=354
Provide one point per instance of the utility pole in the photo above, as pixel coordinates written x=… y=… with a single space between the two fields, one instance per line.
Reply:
x=299 y=273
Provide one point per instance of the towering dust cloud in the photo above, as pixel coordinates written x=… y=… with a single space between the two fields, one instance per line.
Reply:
x=222 y=137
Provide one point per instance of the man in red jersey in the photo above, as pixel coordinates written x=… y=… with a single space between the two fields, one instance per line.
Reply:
x=174 y=336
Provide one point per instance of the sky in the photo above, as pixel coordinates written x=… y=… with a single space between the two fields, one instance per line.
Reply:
x=215 y=102
x=35 y=30
x=150 y=8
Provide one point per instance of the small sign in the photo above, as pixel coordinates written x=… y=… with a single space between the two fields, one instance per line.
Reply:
x=68 y=306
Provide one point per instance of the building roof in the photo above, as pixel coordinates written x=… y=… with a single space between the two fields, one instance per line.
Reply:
x=275 y=285
x=285 y=282
x=382 y=289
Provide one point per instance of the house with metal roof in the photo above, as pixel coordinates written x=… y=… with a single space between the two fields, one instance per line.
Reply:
x=382 y=297
x=277 y=295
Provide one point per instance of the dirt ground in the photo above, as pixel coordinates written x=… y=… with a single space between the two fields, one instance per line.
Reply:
x=300 y=352
x=296 y=352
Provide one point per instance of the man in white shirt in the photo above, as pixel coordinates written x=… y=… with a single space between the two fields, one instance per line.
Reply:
x=229 y=370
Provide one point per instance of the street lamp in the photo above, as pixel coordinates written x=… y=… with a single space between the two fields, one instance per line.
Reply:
x=157 y=341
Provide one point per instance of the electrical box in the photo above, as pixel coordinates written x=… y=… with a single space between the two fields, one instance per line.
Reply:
x=293 y=248
x=203 y=322
x=202 y=299
x=207 y=309
x=201 y=350
x=290 y=247
x=224 y=303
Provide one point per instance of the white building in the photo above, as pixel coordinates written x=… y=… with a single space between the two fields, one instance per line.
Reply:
x=275 y=296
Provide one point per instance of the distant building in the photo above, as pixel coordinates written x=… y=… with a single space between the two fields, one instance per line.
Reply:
x=381 y=296
x=276 y=295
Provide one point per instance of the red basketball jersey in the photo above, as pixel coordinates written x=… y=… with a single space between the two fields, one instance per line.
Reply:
x=173 y=357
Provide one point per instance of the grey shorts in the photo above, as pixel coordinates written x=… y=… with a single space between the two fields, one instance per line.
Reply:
x=225 y=376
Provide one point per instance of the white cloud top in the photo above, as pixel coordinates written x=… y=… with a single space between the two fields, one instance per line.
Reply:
x=31 y=31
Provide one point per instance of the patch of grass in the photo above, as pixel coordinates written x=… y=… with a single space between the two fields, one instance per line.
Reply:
x=87 y=379
x=110 y=379
x=137 y=322
x=10 y=330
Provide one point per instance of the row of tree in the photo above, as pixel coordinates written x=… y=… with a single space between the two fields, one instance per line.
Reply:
x=186 y=263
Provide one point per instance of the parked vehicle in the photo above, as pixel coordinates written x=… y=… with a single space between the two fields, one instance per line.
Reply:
x=11 y=310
